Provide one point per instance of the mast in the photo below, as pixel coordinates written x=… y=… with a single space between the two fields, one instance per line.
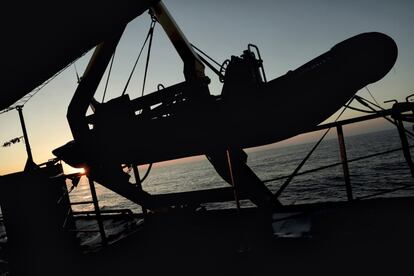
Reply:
x=30 y=164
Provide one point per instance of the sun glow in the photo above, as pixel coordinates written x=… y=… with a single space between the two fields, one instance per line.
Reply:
x=70 y=170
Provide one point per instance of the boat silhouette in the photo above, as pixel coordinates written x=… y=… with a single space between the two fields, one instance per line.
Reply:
x=180 y=121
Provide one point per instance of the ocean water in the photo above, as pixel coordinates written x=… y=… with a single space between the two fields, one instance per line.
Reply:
x=368 y=177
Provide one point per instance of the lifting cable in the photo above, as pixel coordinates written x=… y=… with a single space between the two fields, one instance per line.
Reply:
x=151 y=32
x=146 y=173
x=76 y=72
x=149 y=35
x=109 y=74
x=366 y=87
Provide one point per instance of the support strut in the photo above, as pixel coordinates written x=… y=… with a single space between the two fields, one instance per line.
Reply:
x=30 y=164
x=247 y=181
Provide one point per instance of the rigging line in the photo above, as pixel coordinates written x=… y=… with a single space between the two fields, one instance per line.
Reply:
x=218 y=64
x=148 y=55
x=136 y=61
x=361 y=110
x=295 y=172
x=146 y=173
x=367 y=101
x=366 y=87
x=345 y=107
x=30 y=95
x=76 y=72
x=217 y=72
x=292 y=175
x=7 y=109
x=109 y=74
x=361 y=100
x=143 y=84
x=150 y=35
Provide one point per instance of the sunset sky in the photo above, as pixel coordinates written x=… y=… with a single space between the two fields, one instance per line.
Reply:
x=288 y=33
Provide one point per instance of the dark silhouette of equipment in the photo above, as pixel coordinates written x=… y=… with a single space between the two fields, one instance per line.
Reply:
x=185 y=119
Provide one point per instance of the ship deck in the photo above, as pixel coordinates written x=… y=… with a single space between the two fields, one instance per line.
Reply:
x=367 y=236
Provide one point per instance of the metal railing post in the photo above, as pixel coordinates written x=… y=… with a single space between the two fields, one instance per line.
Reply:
x=233 y=182
x=30 y=164
x=97 y=211
x=405 y=145
x=344 y=161
x=139 y=186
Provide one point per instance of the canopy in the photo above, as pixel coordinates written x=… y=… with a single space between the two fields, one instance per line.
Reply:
x=39 y=38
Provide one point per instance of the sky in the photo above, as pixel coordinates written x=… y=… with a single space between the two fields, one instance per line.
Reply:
x=288 y=34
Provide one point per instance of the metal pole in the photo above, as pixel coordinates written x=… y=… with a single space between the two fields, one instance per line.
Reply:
x=233 y=183
x=30 y=164
x=97 y=211
x=405 y=146
x=344 y=161
x=139 y=186
x=243 y=245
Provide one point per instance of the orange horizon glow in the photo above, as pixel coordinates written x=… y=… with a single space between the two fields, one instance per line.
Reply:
x=17 y=164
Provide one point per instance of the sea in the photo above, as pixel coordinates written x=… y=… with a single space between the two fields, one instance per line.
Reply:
x=386 y=175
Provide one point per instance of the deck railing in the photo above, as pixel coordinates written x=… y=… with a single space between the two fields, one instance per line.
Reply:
x=398 y=116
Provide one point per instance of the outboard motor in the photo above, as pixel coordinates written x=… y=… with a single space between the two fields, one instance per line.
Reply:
x=243 y=74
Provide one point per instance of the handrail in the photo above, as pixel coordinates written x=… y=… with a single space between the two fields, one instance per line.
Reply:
x=335 y=164
x=396 y=112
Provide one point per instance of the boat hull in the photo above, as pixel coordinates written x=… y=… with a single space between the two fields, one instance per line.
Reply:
x=274 y=111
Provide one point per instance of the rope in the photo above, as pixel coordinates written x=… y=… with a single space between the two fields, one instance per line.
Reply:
x=146 y=173
x=67 y=192
x=295 y=172
x=139 y=55
x=153 y=21
x=109 y=74
x=366 y=87
x=13 y=141
x=149 y=36
x=216 y=71
x=364 y=102
x=361 y=110
x=210 y=58
x=76 y=72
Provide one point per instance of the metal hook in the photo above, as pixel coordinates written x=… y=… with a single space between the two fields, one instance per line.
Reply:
x=408 y=97
x=391 y=101
x=160 y=86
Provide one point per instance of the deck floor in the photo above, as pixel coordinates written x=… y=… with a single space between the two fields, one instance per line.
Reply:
x=364 y=237
x=369 y=236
